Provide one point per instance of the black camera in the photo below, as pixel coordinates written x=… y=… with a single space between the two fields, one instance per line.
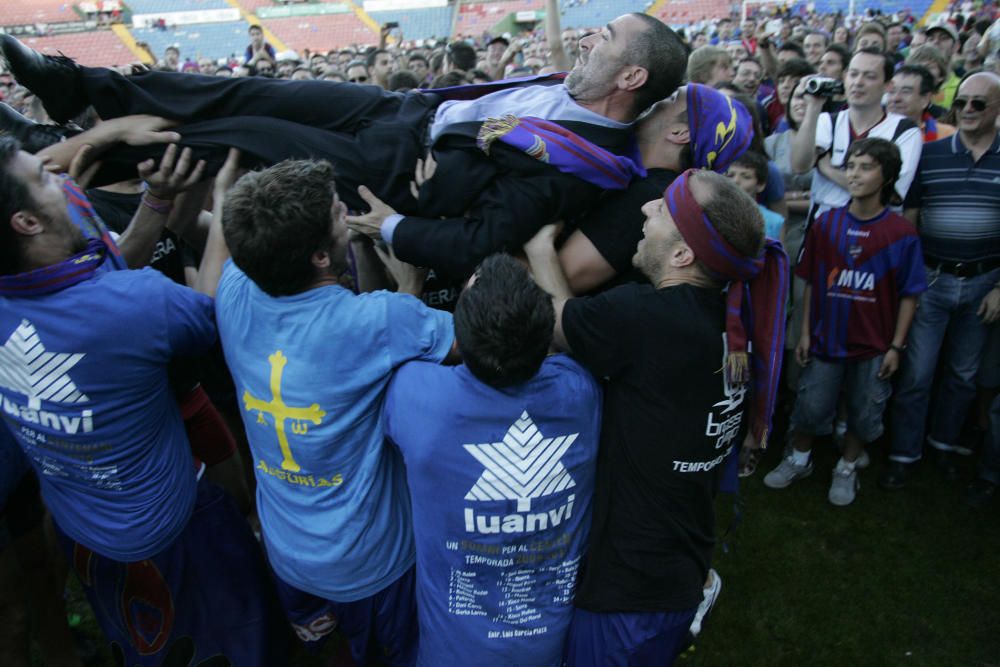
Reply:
x=824 y=86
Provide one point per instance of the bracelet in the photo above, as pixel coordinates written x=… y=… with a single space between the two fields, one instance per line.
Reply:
x=897 y=348
x=162 y=209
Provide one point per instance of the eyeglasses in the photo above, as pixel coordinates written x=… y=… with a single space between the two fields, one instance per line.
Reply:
x=977 y=105
x=358 y=79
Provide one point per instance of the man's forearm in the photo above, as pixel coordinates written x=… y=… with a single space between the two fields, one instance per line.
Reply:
x=826 y=168
x=553 y=34
x=904 y=318
x=549 y=274
x=215 y=255
x=139 y=239
x=803 y=156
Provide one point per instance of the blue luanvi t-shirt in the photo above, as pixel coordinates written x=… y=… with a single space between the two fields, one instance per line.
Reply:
x=311 y=371
x=84 y=390
x=501 y=482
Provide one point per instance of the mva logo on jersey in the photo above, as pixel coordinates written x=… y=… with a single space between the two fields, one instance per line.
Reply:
x=523 y=466
x=853 y=279
x=27 y=368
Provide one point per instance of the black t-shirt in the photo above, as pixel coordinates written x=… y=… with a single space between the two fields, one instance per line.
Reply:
x=669 y=422
x=615 y=225
x=117 y=209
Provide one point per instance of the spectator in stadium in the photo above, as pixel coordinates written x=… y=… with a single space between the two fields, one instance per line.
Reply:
x=910 y=96
x=508 y=392
x=171 y=59
x=894 y=38
x=710 y=65
x=460 y=57
x=928 y=55
x=258 y=49
x=498 y=208
x=834 y=61
x=403 y=80
x=787 y=79
x=357 y=71
x=571 y=43
x=331 y=468
x=842 y=35
x=815 y=45
x=749 y=75
x=264 y=68
x=823 y=138
x=723 y=31
x=380 y=66
x=645 y=569
x=317 y=64
x=750 y=173
x=944 y=38
x=225 y=70
x=123 y=490
x=420 y=68
x=301 y=74
x=959 y=222
x=207 y=66
x=495 y=50
x=870 y=35
x=867 y=257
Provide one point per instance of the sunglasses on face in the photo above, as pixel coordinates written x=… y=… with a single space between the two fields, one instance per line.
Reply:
x=977 y=105
x=358 y=79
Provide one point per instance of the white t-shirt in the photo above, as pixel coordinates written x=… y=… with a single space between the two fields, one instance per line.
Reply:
x=836 y=138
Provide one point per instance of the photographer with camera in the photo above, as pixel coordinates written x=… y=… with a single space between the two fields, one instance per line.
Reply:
x=823 y=138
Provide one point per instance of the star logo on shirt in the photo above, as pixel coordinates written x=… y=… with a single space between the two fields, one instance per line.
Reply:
x=522 y=466
x=27 y=368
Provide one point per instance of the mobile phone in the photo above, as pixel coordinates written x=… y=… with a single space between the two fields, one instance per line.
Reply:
x=392 y=25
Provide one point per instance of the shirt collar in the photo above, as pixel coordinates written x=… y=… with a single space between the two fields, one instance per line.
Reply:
x=958 y=147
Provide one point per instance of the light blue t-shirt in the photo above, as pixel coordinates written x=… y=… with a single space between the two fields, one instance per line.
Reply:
x=311 y=371
x=501 y=482
x=773 y=222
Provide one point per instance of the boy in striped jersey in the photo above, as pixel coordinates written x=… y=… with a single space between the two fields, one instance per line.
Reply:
x=864 y=270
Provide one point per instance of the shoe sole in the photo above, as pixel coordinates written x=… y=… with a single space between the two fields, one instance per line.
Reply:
x=695 y=631
x=789 y=482
x=857 y=488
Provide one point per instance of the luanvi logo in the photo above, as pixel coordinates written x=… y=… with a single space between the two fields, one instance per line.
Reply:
x=523 y=466
x=27 y=368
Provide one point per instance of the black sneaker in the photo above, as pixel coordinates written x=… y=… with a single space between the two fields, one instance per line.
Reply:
x=979 y=493
x=895 y=476
x=33 y=136
x=54 y=79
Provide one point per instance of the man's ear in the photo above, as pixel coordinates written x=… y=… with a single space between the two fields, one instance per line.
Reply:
x=633 y=77
x=26 y=223
x=321 y=259
x=681 y=255
x=679 y=134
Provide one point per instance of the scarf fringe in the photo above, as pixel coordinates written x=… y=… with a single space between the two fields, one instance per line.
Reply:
x=494 y=128
x=738 y=367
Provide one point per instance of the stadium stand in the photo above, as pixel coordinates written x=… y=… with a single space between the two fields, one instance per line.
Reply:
x=916 y=7
x=210 y=40
x=479 y=17
x=321 y=33
x=683 y=12
x=98 y=48
x=22 y=12
x=418 y=23
x=166 y=6
x=251 y=6
x=598 y=12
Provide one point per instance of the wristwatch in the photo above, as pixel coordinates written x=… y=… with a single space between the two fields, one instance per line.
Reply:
x=897 y=348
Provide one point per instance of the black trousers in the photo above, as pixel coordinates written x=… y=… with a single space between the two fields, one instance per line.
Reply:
x=373 y=137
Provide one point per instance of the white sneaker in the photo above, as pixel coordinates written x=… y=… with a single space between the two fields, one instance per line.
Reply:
x=787 y=472
x=710 y=595
x=845 y=485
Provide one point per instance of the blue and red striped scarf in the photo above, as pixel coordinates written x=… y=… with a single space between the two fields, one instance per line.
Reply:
x=567 y=151
x=755 y=300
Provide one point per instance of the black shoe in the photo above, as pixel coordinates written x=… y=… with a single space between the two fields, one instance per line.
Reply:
x=945 y=464
x=33 y=136
x=54 y=79
x=895 y=475
x=979 y=493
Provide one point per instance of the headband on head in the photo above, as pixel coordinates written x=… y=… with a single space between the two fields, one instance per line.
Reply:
x=755 y=301
x=721 y=129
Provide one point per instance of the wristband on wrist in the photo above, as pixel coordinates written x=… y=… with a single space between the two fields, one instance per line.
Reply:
x=898 y=348
x=162 y=209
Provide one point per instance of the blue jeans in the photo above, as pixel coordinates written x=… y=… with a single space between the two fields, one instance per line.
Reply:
x=946 y=323
x=820 y=384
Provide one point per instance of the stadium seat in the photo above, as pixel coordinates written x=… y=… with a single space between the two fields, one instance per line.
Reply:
x=321 y=33
x=167 y=6
x=594 y=13
x=479 y=17
x=418 y=23
x=684 y=12
x=98 y=48
x=20 y=12
x=251 y=6
x=208 y=40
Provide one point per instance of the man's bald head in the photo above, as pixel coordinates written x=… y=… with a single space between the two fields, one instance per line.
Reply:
x=977 y=104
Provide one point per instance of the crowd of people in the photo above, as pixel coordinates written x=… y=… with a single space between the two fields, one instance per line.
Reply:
x=420 y=346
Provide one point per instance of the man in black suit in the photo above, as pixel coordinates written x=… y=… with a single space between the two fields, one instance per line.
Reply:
x=488 y=202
